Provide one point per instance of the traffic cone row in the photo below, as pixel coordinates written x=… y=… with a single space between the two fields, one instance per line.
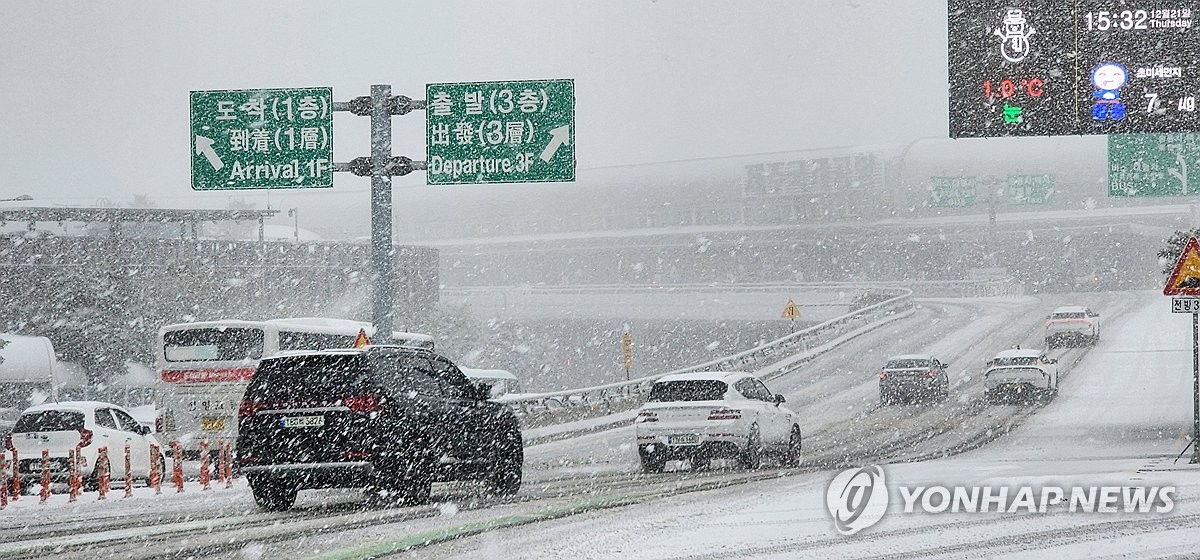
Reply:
x=9 y=478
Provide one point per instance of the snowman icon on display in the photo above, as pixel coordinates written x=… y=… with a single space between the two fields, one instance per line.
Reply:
x=1108 y=77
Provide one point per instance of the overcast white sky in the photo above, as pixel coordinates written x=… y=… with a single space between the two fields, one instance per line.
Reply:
x=95 y=95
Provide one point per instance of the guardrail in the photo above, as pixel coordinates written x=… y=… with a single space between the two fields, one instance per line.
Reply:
x=898 y=300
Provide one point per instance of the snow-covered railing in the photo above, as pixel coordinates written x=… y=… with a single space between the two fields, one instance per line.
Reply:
x=898 y=300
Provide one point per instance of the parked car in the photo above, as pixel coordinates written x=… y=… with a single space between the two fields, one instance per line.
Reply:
x=913 y=376
x=391 y=418
x=1072 y=325
x=88 y=425
x=1021 y=373
x=701 y=416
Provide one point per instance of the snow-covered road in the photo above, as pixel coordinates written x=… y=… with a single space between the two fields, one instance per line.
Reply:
x=1108 y=418
x=1120 y=419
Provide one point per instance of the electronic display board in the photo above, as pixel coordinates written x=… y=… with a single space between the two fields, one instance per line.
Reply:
x=1048 y=67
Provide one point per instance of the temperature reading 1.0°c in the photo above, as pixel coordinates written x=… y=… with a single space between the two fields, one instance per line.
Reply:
x=1004 y=89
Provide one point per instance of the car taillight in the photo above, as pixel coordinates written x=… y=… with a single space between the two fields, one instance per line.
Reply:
x=363 y=403
x=725 y=414
x=931 y=373
x=883 y=375
x=248 y=409
x=85 y=437
x=8 y=442
x=646 y=416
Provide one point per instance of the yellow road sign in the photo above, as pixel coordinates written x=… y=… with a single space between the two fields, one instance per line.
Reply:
x=1185 y=278
x=791 y=311
x=627 y=349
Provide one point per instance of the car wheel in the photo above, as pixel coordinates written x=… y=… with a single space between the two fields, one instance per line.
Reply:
x=653 y=463
x=272 y=495
x=794 y=450
x=752 y=455
x=505 y=477
x=406 y=482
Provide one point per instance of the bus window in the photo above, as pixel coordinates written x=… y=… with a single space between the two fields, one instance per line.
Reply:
x=289 y=340
x=212 y=344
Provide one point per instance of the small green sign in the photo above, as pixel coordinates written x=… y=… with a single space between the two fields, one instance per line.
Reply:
x=500 y=132
x=262 y=139
x=1029 y=190
x=952 y=192
x=1153 y=164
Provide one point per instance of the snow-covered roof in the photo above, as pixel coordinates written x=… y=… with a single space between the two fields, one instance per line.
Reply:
x=26 y=358
x=726 y=376
x=911 y=357
x=1019 y=353
x=487 y=373
x=82 y=406
x=1070 y=309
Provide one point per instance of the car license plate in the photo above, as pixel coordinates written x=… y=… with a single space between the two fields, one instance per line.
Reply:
x=302 y=421
x=683 y=439
x=212 y=424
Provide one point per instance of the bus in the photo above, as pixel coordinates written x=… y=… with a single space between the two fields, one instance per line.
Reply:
x=204 y=368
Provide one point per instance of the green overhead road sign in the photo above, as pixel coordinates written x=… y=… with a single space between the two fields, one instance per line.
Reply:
x=262 y=139
x=952 y=192
x=1028 y=190
x=1153 y=164
x=500 y=132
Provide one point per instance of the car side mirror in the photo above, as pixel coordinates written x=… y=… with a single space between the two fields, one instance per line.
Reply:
x=779 y=399
x=143 y=430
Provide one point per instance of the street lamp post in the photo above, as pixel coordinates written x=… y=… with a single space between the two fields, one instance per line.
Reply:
x=295 y=213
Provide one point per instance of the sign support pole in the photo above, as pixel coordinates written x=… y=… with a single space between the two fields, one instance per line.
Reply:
x=381 y=211
x=1195 y=388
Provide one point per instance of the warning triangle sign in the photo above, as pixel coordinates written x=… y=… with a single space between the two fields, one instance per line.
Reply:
x=1185 y=278
x=361 y=340
x=791 y=311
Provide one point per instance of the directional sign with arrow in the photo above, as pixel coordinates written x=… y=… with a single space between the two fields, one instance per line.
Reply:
x=500 y=132
x=262 y=139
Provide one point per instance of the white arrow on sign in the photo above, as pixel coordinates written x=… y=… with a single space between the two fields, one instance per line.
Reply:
x=204 y=146
x=558 y=137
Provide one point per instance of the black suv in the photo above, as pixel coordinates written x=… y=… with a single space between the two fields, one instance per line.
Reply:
x=390 y=418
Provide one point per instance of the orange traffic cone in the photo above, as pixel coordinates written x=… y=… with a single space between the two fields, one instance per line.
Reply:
x=3 y=480
x=229 y=464
x=103 y=475
x=205 y=476
x=128 y=473
x=45 y=494
x=177 y=466
x=156 y=469
x=16 y=483
x=73 y=482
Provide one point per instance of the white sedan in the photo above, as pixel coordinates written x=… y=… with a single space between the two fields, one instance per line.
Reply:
x=1020 y=372
x=85 y=425
x=702 y=416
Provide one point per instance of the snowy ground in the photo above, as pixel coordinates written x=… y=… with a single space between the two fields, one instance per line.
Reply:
x=1118 y=420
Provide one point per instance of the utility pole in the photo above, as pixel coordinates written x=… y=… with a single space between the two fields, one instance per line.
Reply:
x=295 y=213
x=381 y=166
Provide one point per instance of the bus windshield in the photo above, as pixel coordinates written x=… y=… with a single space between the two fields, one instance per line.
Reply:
x=209 y=344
